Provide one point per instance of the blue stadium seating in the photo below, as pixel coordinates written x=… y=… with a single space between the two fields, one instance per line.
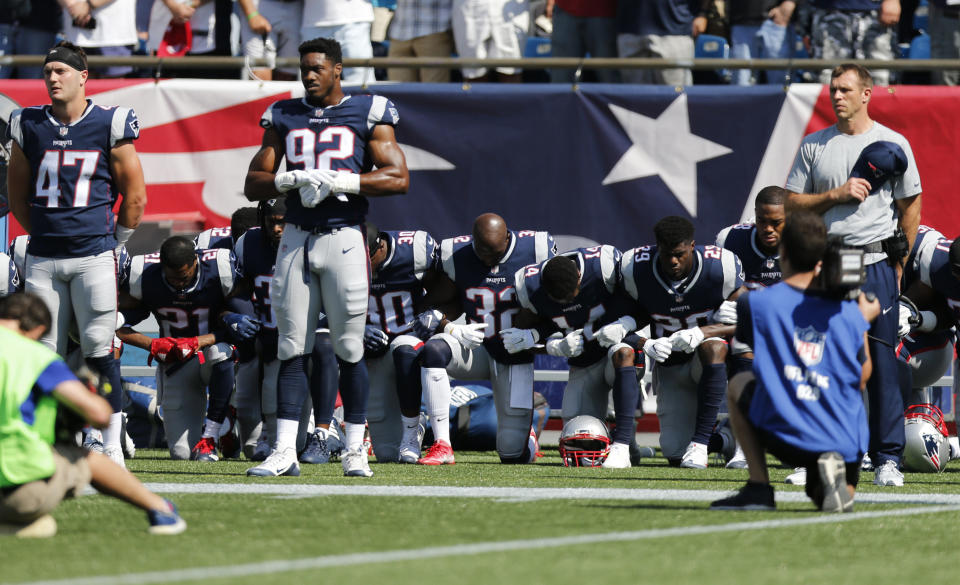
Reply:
x=711 y=47
x=537 y=47
x=920 y=47
x=921 y=17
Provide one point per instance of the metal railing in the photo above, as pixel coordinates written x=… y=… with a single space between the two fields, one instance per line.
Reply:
x=238 y=63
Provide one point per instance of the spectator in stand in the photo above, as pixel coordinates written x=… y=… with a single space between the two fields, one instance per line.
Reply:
x=272 y=30
x=855 y=29
x=657 y=29
x=346 y=21
x=26 y=31
x=759 y=29
x=944 y=38
x=105 y=28
x=582 y=27
x=383 y=12
x=200 y=15
x=491 y=29
x=421 y=28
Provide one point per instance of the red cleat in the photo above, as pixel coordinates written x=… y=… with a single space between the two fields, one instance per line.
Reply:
x=204 y=450
x=440 y=453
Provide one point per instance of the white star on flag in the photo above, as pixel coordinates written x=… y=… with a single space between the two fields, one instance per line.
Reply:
x=664 y=146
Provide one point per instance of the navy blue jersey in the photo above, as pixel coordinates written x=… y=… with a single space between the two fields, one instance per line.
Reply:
x=256 y=258
x=9 y=276
x=926 y=237
x=759 y=269
x=193 y=311
x=72 y=192
x=716 y=274
x=332 y=138
x=397 y=286
x=218 y=237
x=933 y=266
x=488 y=294
x=597 y=303
x=808 y=351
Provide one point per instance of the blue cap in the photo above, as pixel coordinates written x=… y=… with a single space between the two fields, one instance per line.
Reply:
x=879 y=162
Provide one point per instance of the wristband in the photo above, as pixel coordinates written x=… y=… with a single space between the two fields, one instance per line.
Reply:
x=123 y=233
x=252 y=14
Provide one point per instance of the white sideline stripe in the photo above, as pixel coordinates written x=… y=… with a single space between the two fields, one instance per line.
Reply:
x=379 y=557
x=516 y=493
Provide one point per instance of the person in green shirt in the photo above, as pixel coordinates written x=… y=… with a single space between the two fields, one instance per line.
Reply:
x=35 y=473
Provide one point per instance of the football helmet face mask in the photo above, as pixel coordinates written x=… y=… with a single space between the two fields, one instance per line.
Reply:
x=926 y=449
x=584 y=442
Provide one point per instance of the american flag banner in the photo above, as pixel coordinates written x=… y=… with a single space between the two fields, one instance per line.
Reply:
x=601 y=163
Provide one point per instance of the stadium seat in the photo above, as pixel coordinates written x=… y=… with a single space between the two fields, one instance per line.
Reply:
x=537 y=47
x=713 y=47
x=920 y=47
x=921 y=17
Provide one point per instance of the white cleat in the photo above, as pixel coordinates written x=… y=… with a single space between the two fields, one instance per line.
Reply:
x=738 y=461
x=355 y=463
x=410 y=452
x=695 y=457
x=278 y=463
x=798 y=477
x=888 y=475
x=115 y=453
x=836 y=496
x=619 y=457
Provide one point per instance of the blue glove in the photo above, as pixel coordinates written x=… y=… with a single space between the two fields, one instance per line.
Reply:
x=375 y=341
x=427 y=323
x=241 y=326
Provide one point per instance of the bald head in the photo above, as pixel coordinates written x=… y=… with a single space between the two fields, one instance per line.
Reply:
x=490 y=238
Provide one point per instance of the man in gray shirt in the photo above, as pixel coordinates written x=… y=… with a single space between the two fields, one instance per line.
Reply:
x=821 y=181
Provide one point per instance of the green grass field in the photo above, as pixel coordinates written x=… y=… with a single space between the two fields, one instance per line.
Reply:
x=482 y=522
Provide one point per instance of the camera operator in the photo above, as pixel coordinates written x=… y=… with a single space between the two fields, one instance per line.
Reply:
x=802 y=401
x=35 y=474
x=862 y=178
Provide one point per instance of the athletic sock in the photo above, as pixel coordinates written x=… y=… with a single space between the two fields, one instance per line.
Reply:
x=436 y=387
x=710 y=392
x=626 y=396
x=287 y=434
x=354 y=433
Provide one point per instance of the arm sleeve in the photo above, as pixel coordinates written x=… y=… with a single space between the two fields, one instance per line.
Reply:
x=744 y=332
x=52 y=376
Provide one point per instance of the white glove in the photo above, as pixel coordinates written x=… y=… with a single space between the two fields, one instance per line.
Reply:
x=569 y=346
x=727 y=313
x=311 y=195
x=659 y=349
x=291 y=180
x=687 y=340
x=903 y=323
x=470 y=335
x=517 y=340
x=615 y=332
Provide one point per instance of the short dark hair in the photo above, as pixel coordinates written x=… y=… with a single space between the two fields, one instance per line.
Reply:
x=329 y=47
x=672 y=231
x=771 y=195
x=177 y=251
x=804 y=239
x=27 y=309
x=78 y=50
x=373 y=237
x=866 y=80
x=560 y=277
x=242 y=220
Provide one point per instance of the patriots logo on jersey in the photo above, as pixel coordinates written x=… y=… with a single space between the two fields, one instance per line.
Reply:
x=809 y=345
